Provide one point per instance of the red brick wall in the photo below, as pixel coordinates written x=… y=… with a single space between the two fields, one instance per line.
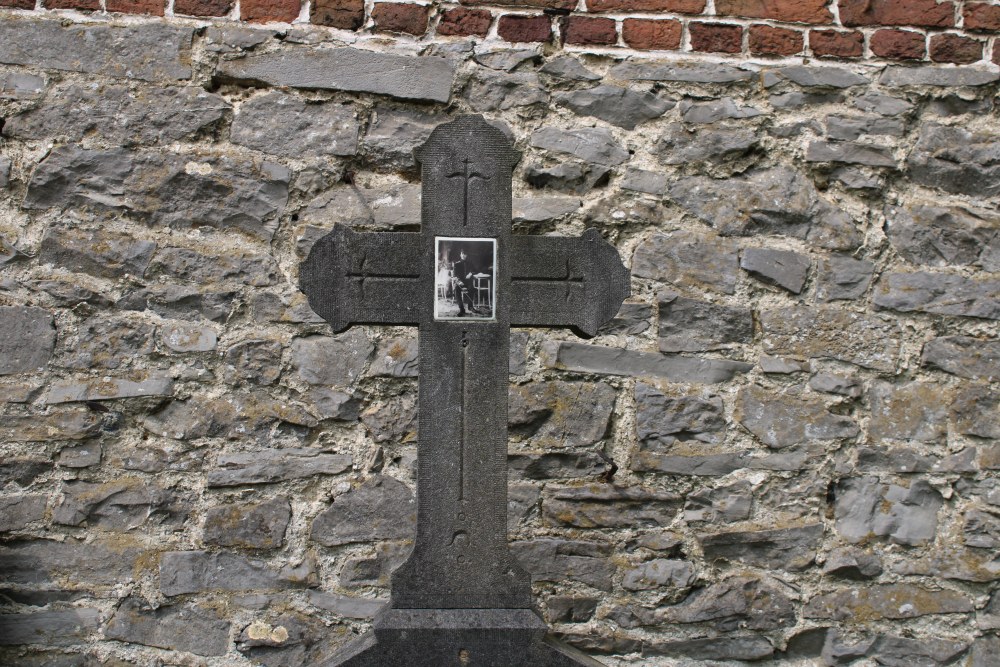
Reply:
x=945 y=31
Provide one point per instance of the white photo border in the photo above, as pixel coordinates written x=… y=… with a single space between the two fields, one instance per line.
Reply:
x=493 y=278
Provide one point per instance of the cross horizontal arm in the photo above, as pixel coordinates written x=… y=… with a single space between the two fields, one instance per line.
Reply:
x=566 y=282
x=365 y=278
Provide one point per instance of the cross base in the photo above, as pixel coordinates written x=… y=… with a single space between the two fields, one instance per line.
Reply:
x=459 y=638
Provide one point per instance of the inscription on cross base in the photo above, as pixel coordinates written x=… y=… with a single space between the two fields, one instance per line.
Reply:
x=462 y=598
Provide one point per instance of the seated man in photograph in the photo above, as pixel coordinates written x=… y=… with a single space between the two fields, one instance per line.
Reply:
x=463 y=271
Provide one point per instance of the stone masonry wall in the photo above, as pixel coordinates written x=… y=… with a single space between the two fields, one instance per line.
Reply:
x=784 y=450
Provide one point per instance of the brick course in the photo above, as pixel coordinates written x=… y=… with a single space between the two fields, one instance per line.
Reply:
x=585 y=30
x=399 y=17
x=343 y=14
x=837 y=44
x=716 y=37
x=649 y=34
x=898 y=44
x=265 y=11
x=949 y=48
x=461 y=22
x=768 y=40
x=517 y=28
x=800 y=11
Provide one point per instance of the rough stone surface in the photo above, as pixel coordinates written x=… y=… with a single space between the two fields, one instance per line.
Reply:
x=869 y=341
x=775 y=201
x=380 y=508
x=619 y=106
x=784 y=420
x=556 y=414
x=690 y=261
x=840 y=277
x=192 y=571
x=257 y=526
x=597 y=506
x=175 y=628
x=784 y=268
x=166 y=189
x=941 y=236
x=866 y=508
x=942 y=294
x=888 y=601
x=305 y=130
x=613 y=361
x=153 y=52
x=275 y=465
x=787 y=549
x=153 y=116
x=356 y=70
x=590 y=144
x=687 y=325
x=955 y=160
x=27 y=338
x=914 y=411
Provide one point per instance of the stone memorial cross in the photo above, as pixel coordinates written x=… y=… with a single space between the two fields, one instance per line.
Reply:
x=462 y=598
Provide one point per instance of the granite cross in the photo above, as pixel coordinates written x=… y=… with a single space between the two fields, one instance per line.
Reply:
x=462 y=598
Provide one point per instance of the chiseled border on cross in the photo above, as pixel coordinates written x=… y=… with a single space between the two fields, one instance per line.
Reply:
x=462 y=598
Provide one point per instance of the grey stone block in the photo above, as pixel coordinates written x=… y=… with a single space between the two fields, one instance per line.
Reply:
x=956 y=160
x=394 y=134
x=790 y=549
x=895 y=76
x=198 y=571
x=204 y=268
x=678 y=145
x=712 y=111
x=172 y=627
x=739 y=601
x=255 y=526
x=569 y=68
x=689 y=260
x=603 y=506
x=785 y=268
x=55 y=627
x=51 y=426
x=619 y=106
x=850 y=153
x=338 y=360
x=276 y=465
x=914 y=411
x=101 y=253
x=17 y=512
x=226 y=193
x=964 y=356
x=615 y=361
x=27 y=338
x=775 y=201
x=690 y=71
x=659 y=573
x=348 y=69
x=284 y=124
x=595 y=145
x=865 y=508
x=561 y=560
x=812 y=76
x=711 y=648
x=107 y=389
x=233 y=415
x=783 y=420
x=120 y=116
x=380 y=508
x=554 y=414
x=689 y=325
x=942 y=294
x=871 y=341
x=945 y=236
x=842 y=277
x=500 y=91
x=153 y=52
x=663 y=420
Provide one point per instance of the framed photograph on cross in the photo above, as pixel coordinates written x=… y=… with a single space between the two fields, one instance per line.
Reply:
x=465 y=278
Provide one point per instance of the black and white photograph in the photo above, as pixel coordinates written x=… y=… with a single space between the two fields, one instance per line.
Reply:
x=465 y=281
